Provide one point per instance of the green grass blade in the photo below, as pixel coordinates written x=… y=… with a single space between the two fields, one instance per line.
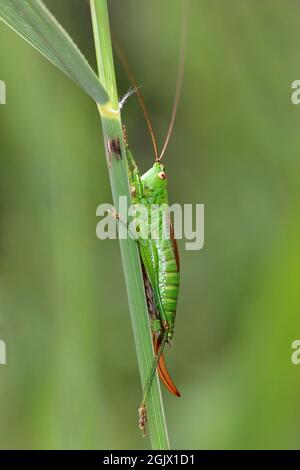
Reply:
x=33 y=21
x=112 y=129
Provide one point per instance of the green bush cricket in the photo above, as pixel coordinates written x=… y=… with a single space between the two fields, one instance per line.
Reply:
x=159 y=254
x=159 y=260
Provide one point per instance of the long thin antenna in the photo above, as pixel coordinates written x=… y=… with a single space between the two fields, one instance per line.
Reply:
x=127 y=68
x=179 y=80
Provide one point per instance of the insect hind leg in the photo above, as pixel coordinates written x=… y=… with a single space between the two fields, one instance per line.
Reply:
x=142 y=408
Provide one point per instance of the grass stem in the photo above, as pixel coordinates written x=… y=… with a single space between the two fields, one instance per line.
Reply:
x=118 y=172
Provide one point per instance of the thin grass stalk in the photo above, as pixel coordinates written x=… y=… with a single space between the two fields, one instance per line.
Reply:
x=118 y=172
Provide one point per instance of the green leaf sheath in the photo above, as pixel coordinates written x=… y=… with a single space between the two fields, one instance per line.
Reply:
x=33 y=21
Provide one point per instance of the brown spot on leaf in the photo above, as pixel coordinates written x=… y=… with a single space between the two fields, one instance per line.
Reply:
x=114 y=149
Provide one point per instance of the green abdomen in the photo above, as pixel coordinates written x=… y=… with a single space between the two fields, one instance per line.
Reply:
x=168 y=280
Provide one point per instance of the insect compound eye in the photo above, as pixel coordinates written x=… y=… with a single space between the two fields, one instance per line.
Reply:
x=162 y=175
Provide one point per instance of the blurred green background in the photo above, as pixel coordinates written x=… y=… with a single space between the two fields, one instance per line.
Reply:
x=71 y=379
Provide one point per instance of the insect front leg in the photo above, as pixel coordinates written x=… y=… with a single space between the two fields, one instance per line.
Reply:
x=118 y=217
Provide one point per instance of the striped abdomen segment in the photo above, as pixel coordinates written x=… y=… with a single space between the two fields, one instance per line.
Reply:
x=168 y=278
